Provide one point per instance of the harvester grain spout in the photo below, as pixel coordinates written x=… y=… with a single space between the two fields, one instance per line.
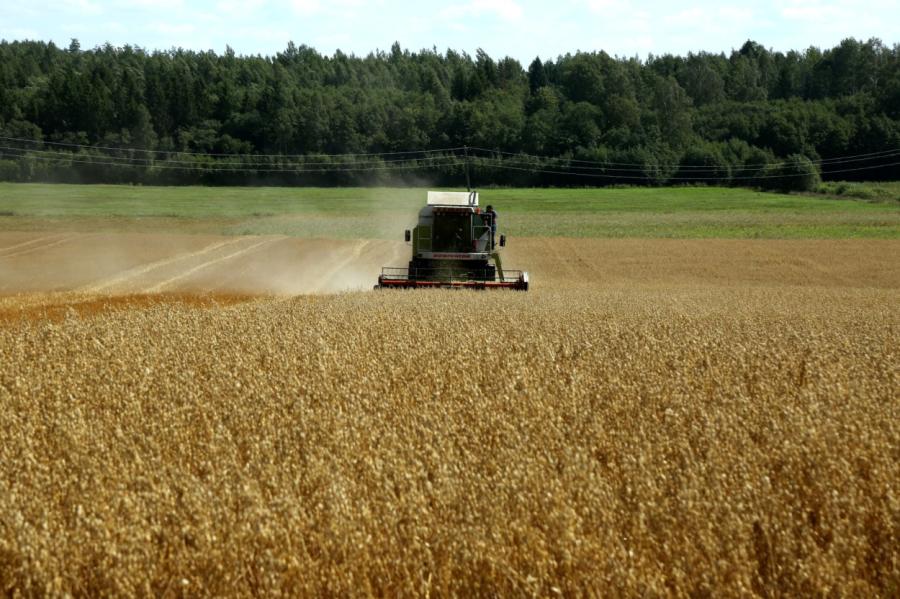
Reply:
x=454 y=245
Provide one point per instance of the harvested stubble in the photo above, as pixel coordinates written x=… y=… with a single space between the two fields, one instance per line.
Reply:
x=619 y=442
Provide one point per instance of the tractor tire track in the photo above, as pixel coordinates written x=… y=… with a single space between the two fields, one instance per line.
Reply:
x=30 y=242
x=191 y=271
x=138 y=271
x=40 y=248
x=329 y=276
x=240 y=274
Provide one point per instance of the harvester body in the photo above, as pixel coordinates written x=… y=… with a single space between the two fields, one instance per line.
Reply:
x=453 y=245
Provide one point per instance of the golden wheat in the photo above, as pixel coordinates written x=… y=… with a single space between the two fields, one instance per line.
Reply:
x=601 y=441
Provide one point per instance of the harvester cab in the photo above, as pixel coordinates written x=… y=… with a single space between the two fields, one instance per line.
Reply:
x=454 y=245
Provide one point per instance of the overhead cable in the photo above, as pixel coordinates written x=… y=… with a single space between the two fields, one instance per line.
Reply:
x=225 y=155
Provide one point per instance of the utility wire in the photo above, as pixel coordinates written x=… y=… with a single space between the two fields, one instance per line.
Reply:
x=837 y=159
x=442 y=161
x=571 y=162
x=144 y=150
x=310 y=164
x=503 y=165
x=309 y=160
x=212 y=168
x=446 y=161
x=724 y=170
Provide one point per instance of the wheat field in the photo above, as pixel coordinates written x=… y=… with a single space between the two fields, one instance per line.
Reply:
x=729 y=429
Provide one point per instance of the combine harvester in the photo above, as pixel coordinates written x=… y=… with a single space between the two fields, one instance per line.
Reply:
x=453 y=246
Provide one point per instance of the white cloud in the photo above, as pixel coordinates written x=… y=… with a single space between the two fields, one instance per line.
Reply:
x=335 y=41
x=266 y=34
x=306 y=7
x=84 y=7
x=736 y=13
x=157 y=5
x=114 y=27
x=838 y=12
x=688 y=16
x=811 y=11
x=19 y=34
x=604 y=6
x=507 y=10
x=172 y=28
x=239 y=7
x=707 y=23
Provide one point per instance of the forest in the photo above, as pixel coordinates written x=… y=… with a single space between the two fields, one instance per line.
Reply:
x=752 y=117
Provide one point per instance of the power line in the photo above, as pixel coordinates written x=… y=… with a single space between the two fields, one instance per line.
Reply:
x=212 y=168
x=837 y=159
x=503 y=165
x=214 y=154
x=373 y=164
x=571 y=162
x=441 y=161
x=217 y=163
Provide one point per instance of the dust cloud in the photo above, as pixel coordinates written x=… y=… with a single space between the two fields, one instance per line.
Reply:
x=121 y=263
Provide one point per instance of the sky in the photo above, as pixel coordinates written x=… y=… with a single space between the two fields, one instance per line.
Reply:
x=522 y=29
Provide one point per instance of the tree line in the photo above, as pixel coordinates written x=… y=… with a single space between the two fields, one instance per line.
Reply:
x=751 y=117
